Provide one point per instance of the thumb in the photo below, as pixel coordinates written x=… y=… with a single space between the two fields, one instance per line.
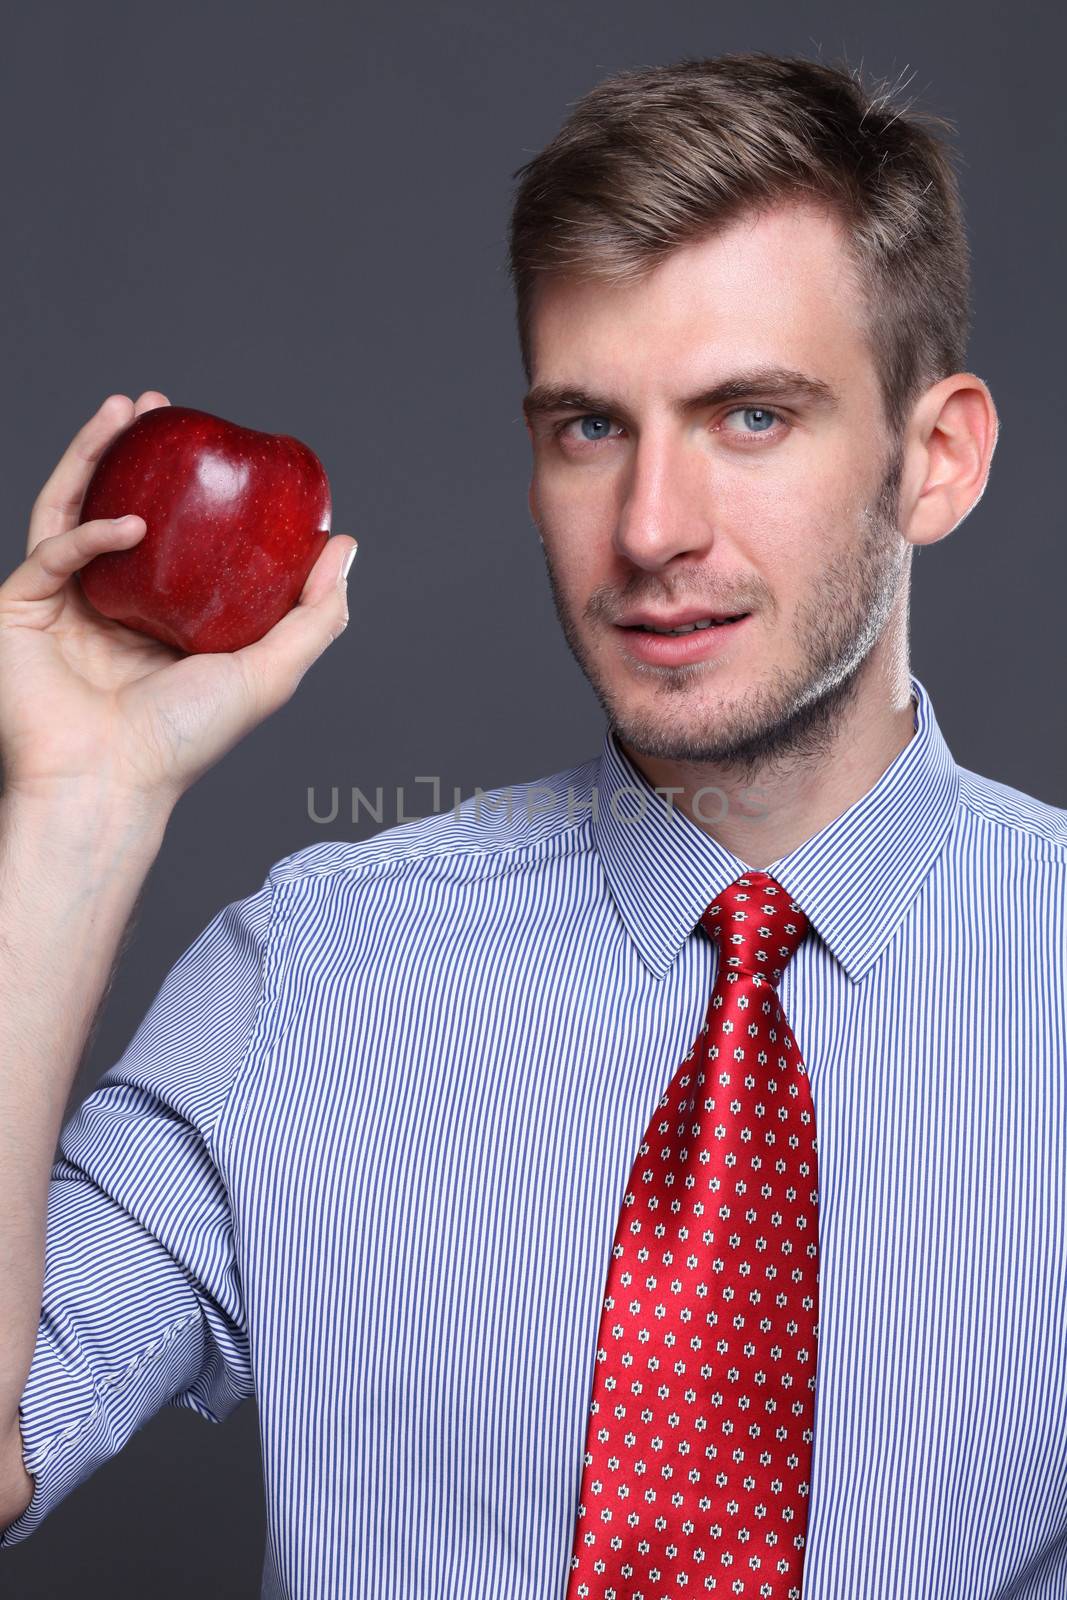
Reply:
x=275 y=664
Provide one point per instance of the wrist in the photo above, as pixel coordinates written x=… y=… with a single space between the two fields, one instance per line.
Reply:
x=88 y=819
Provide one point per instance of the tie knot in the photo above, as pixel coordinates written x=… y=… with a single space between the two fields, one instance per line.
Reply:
x=756 y=925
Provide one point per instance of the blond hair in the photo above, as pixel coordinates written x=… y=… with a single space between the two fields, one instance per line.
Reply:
x=657 y=157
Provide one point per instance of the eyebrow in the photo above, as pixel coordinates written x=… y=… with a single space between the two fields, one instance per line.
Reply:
x=769 y=383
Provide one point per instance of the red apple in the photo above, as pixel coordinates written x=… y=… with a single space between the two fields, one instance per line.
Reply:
x=235 y=520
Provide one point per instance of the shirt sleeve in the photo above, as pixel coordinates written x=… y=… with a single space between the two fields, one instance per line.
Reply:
x=142 y=1303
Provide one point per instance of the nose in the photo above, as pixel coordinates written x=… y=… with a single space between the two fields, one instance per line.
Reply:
x=666 y=508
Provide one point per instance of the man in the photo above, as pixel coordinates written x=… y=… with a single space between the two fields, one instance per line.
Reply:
x=520 y=1160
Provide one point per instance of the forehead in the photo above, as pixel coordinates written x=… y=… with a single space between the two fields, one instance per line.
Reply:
x=774 y=288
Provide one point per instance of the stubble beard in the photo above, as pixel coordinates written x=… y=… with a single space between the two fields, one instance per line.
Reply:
x=788 y=714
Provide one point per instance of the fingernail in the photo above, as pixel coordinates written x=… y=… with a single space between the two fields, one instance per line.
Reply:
x=347 y=566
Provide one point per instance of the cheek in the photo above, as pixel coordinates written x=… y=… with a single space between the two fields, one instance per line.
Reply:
x=790 y=534
x=808 y=506
x=577 y=518
x=587 y=496
x=570 y=543
x=773 y=516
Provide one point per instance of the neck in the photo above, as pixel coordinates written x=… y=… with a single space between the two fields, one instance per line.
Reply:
x=761 y=816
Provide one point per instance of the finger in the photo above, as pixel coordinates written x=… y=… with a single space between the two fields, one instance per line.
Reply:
x=58 y=505
x=328 y=569
x=52 y=560
x=151 y=400
x=275 y=664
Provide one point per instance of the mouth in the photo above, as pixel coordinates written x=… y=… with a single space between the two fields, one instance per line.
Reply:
x=698 y=640
x=685 y=627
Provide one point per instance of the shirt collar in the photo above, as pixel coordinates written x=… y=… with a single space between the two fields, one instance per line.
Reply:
x=854 y=879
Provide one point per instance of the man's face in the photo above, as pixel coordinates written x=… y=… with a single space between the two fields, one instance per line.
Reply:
x=776 y=500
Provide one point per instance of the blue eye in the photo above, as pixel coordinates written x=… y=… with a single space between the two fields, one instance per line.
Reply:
x=596 y=428
x=758 y=419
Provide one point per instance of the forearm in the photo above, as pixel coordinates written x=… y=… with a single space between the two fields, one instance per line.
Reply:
x=71 y=873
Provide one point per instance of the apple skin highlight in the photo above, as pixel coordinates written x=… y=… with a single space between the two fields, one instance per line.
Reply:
x=235 y=520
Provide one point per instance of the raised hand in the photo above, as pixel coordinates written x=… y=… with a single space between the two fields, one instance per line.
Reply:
x=87 y=703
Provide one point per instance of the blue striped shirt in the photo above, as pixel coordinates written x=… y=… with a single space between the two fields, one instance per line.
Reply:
x=364 y=1156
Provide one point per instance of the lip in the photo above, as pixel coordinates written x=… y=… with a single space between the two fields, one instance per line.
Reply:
x=663 y=651
x=675 y=619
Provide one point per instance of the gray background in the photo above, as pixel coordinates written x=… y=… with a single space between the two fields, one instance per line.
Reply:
x=295 y=218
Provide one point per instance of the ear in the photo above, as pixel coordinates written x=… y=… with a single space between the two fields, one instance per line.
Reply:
x=949 y=446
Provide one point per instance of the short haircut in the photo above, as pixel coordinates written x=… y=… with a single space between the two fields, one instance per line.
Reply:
x=658 y=157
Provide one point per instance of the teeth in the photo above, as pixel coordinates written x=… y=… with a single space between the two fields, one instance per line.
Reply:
x=689 y=627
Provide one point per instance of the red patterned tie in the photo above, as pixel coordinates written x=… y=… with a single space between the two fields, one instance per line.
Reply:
x=699 y=1441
